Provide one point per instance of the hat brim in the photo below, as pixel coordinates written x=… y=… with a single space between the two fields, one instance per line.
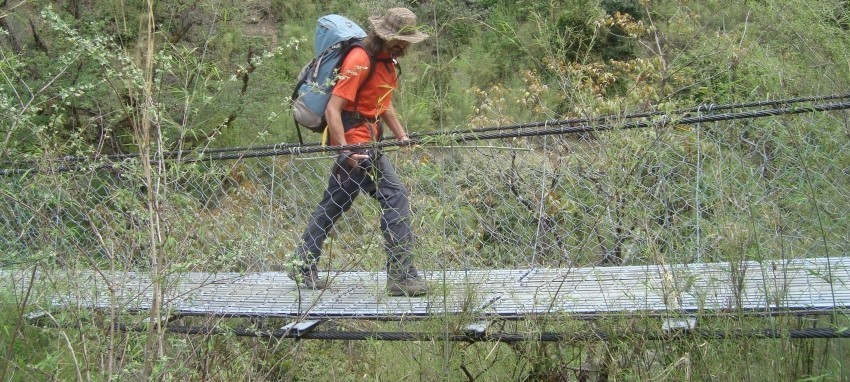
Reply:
x=384 y=32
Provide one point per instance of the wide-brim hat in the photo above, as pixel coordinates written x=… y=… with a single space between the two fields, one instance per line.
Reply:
x=397 y=24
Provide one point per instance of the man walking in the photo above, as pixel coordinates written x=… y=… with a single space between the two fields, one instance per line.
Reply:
x=359 y=107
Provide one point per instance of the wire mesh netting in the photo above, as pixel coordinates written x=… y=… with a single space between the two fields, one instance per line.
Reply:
x=707 y=185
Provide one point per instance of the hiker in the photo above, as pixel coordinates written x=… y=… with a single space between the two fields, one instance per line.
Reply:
x=367 y=170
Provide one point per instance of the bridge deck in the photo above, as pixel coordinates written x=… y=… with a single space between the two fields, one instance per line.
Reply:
x=801 y=285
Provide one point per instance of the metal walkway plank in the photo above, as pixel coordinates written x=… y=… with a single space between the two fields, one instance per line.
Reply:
x=771 y=286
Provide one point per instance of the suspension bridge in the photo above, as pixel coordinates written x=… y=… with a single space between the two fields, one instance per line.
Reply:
x=675 y=293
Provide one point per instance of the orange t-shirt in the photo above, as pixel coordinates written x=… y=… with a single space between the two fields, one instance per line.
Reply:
x=375 y=96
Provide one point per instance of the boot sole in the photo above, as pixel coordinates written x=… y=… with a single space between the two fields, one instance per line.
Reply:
x=306 y=284
x=400 y=293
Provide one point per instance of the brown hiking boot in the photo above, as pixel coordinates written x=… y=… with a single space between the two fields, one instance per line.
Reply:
x=410 y=287
x=309 y=276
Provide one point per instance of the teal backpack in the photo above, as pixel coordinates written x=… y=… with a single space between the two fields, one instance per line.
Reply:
x=335 y=37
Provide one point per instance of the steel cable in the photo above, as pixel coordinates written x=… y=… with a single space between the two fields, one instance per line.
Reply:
x=551 y=127
x=590 y=335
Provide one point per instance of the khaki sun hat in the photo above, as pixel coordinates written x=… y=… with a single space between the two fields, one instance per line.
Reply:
x=397 y=24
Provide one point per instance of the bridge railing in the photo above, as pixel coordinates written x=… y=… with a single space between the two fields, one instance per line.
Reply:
x=707 y=185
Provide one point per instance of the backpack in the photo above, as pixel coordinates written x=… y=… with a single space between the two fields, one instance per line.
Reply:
x=335 y=37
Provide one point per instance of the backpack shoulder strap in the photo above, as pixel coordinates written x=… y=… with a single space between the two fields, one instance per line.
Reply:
x=371 y=71
x=372 y=59
x=394 y=62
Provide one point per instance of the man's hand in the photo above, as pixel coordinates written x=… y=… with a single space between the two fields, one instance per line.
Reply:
x=353 y=159
x=407 y=145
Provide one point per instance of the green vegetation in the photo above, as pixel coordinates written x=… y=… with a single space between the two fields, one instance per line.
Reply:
x=106 y=88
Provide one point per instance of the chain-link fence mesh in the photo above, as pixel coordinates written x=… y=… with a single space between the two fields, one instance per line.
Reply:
x=733 y=190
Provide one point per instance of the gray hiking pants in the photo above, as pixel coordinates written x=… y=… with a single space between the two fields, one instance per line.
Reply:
x=377 y=178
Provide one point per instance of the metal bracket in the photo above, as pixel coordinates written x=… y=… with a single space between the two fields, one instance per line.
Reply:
x=679 y=324
x=34 y=317
x=299 y=328
x=164 y=319
x=476 y=329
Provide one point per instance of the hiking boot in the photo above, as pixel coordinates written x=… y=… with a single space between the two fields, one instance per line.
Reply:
x=309 y=276
x=410 y=286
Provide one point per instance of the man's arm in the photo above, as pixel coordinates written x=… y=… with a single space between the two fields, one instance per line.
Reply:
x=333 y=116
x=391 y=119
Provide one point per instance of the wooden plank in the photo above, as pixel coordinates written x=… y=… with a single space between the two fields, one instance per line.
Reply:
x=767 y=287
